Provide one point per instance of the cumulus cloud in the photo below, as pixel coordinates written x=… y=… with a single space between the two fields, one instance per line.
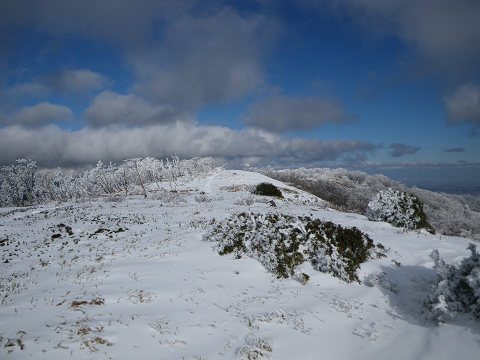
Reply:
x=54 y=146
x=111 y=108
x=76 y=81
x=181 y=53
x=206 y=59
x=397 y=149
x=31 y=89
x=40 y=114
x=67 y=82
x=283 y=113
x=463 y=105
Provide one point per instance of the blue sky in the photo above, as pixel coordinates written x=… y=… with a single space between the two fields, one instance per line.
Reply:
x=382 y=86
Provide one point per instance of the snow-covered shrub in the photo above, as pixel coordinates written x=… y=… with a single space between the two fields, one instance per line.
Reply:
x=399 y=209
x=457 y=288
x=267 y=189
x=282 y=242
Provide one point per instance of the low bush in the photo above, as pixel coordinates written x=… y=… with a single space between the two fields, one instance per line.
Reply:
x=281 y=243
x=399 y=209
x=267 y=189
x=457 y=288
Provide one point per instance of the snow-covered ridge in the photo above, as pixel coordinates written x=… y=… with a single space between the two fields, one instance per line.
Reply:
x=352 y=191
x=129 y=276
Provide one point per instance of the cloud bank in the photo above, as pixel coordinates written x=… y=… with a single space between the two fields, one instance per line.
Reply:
x=51 y=145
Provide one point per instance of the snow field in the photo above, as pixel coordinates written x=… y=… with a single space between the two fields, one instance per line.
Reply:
x=135 y=278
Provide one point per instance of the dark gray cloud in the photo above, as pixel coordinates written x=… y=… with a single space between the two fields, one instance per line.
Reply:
x=443 y=32
x=53 y=146
x=397 y=149
x=463 y=105
x=38 y=115
x=128 y=22
x=455 y=150
x=76 y=81
x=110 y=108
x=283 y=113
x=205 y=59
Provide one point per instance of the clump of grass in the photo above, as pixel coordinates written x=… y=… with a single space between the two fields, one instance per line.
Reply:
x=282 y=242
x=96 y=301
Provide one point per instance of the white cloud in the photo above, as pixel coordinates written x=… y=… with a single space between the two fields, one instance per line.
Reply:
x=111 y=108
x=40 y=114
x=463 y=105
x=283 y=113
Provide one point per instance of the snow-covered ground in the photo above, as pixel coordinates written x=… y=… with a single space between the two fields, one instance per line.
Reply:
x=136 y=278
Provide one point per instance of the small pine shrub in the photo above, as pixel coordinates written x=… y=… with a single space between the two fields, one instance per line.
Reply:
x=457 y=288
x=399 y=209
x=281 y=243
x=267 y=189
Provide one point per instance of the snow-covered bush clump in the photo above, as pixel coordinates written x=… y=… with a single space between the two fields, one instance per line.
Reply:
x=457 y=289
x=281 y=243
x=399 y=209
x=267 y=189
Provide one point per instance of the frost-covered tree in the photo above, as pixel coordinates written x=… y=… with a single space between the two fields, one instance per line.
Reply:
x=18 y=181
x=22 y=184
x=138 y=173
x=399 y=209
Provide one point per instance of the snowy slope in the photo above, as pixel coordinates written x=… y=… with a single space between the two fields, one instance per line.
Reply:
x=135 y=278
